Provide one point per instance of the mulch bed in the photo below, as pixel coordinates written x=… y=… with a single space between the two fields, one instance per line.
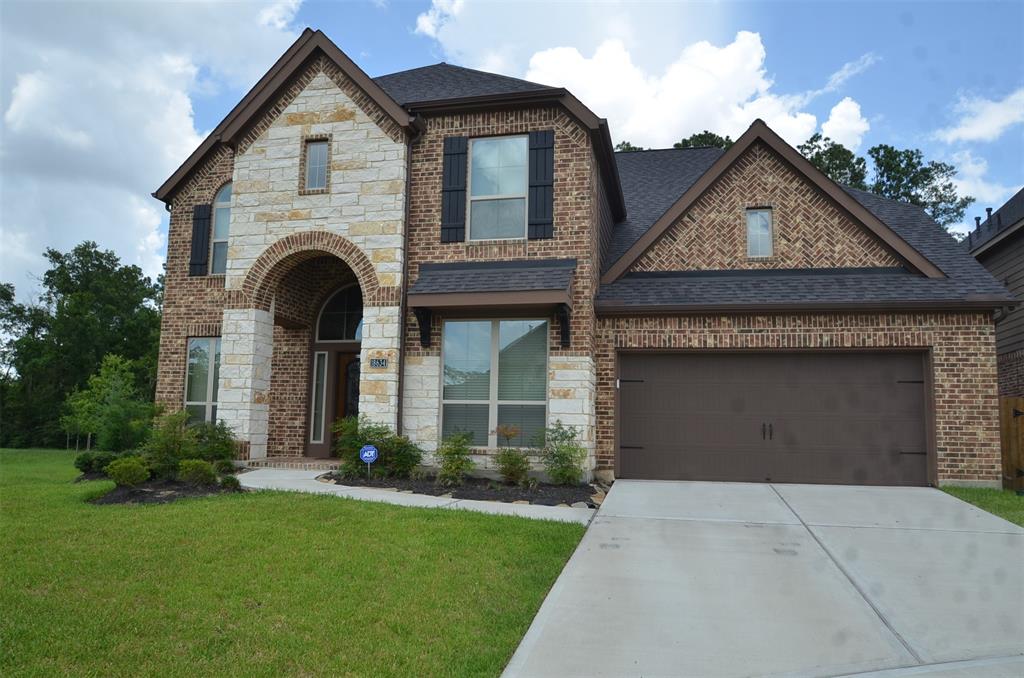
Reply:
x=158 y=492
x=479 y=488
x=92 y=475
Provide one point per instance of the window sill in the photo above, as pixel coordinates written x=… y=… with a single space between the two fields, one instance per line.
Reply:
x=314 y=191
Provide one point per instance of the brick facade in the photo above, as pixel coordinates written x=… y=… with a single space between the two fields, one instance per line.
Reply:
x=1011 y=374
x=961 y=348
x=808 y=230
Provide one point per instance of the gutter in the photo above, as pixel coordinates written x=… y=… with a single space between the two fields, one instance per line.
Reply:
x=420 y=127
x=619 y=308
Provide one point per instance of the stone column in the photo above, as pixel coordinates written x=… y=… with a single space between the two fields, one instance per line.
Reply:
x=246 y=348
x=572 y=387
x=378 y=386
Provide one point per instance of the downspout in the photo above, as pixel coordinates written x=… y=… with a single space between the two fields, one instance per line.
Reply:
x=419 y=126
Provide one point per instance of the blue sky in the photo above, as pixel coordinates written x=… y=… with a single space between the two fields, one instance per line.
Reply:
x=116 y=95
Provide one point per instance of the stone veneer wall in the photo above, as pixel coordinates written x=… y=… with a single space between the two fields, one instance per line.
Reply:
x=575 y=209
x=1011 y=373
x=962 y=347
x=809 y=230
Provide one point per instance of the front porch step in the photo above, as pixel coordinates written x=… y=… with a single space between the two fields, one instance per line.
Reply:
x=295 y=463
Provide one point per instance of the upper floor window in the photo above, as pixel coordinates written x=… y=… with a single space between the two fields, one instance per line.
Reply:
x=497 y=188
x=221 y=223
x=201 y=379
x=342 y=316
x=316 y=164
x=759 y=232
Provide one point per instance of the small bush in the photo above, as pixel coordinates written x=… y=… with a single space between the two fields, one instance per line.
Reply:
x=197 y=472
x=563 y=454
x=513 y=465
x=231 y=484
x=214 y=442
x=100 y=461
x=171 y=441
x=455 y=461
x=224 y=467
x=128 y=471
x=397 y=455
x=83 y=462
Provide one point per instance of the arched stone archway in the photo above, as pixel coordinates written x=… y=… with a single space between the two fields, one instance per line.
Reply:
x=251 y=362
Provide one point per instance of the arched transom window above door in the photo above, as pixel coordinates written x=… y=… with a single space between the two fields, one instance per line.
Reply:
x=342 y=316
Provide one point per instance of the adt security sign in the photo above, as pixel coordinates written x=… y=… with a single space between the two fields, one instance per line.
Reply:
x=368 y=453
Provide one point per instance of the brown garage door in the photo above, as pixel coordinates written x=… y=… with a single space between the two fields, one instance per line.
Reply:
x=850 y=418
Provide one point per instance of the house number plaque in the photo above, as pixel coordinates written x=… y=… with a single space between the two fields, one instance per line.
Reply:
x=378 y=363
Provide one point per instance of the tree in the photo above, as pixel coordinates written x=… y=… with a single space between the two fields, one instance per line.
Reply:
x=626 y=147
x=904 y=175
x=109 y=407
x=90 y=305
x=705 y=138
x=837 y=162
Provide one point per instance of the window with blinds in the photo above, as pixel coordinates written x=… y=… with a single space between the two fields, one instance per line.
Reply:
x=495 y=375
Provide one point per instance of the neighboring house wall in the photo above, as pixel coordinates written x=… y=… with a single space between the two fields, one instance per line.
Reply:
x=571 y=370
x=809 y=231
x=961 y=347
x=1005 y=261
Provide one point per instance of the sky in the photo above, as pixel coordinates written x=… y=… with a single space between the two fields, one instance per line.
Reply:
x=101 y=101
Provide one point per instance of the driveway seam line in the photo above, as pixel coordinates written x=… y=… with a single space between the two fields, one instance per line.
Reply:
x=912 y=529
x=953 y=663
x=849 y=578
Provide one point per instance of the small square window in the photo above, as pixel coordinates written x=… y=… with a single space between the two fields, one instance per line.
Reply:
x=316 y=165
x=759 y=233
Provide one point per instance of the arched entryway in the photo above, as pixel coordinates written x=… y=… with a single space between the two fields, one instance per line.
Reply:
x=334 y=366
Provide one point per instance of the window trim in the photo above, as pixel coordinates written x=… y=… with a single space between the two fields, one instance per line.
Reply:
x=213 y=227
x=509 y=196
x=304 y=159
x=209 y=403
x=313 y=439
x=492 y=401
x=771 y=231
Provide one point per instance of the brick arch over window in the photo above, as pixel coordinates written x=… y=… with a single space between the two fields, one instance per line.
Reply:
x=266 y=273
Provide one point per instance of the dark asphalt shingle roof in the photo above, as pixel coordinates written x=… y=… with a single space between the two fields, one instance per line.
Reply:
x=1003 y=218
x=495 y=276
x=444 y=81
x=652 y=181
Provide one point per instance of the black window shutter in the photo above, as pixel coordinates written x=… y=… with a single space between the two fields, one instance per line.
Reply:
x=453 y=190
x=200 y=240
x=542 y=179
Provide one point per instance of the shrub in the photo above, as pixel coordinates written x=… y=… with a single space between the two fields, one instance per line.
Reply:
x=100 y=461
x=128 y=471
x=83 y=462
x=397 y=456
x=455 y=461
x=171 y=441
x=224 y=466
x=214 y=442
x=513 y=465
x=231 y=484
x=563 y=455
x=197 y=472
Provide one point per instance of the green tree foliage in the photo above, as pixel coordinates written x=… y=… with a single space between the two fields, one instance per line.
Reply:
x=904 y=175
x=837 y=162
x=626 y=147
x=110 y=407
x=90 y=306
x=702 y=139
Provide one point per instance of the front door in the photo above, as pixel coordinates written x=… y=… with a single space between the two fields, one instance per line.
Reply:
x=334 y=394
x=346 y=392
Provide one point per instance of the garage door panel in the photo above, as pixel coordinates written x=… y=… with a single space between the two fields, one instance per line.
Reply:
x=787 y=417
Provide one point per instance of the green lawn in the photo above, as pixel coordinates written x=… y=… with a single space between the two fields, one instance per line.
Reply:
x=263 y=584
x=1004 y=503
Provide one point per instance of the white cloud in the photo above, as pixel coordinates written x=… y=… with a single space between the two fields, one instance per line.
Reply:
x=441 y=12
x=983 y=119
x=971 y=180
x=849 y=70
x=845 y=124
x=97 y=104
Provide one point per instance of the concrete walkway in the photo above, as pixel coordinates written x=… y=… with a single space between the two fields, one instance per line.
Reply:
x=736 y=579
x=305 y=481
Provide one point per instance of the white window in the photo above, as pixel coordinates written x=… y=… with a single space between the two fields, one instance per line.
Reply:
x=221 y=223
x=497 y=188
x=495 y=374
x=759 y=232
x=316 y=423
x=201 y=379
x=316 y=165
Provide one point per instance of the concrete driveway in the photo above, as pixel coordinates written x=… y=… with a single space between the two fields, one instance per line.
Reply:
x=738 y=579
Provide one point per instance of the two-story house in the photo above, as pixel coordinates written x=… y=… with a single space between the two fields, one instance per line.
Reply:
x=443 y=249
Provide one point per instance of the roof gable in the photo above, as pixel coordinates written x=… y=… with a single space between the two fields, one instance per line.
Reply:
x=760 y=132
x=311 y=44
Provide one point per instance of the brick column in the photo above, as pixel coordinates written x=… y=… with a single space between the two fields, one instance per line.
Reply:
x=247 y=345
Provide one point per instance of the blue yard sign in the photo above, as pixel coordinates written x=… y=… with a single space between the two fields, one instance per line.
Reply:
x=368 y=453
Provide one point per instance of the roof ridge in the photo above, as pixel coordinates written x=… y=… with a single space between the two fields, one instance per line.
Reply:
x=655 y=150
x=465 y=68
